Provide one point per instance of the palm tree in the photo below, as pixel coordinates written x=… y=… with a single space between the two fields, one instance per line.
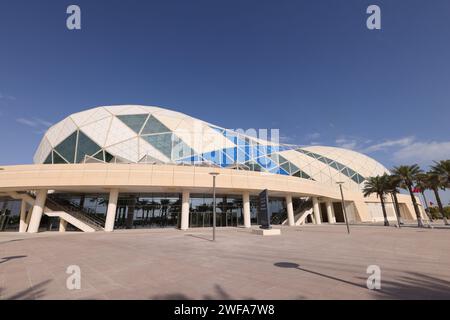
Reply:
x=378 y=185
x=442 y=168
x=407 y=176
x=393 y=185
x=435 y=182
x=422 y=184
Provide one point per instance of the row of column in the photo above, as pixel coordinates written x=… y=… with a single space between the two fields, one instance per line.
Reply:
x=330 y=211
x=33 y=219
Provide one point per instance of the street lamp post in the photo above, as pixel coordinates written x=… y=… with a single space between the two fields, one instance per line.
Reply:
x=340 y=183
x=214 y=175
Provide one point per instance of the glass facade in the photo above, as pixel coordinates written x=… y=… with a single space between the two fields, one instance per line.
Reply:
x=94 y=204
x=148 y=211
x=228 y=211
x=9 y=214
x=277 y=209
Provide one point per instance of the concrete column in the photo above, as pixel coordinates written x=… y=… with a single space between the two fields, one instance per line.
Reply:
x=38 y=209
x=111 y=213
x=184 y=225
x=246 y=209
x=28 y=218
x=290 y=210
x=316 y=209
x=330 y=212
x=23 y=217
x=62 y=225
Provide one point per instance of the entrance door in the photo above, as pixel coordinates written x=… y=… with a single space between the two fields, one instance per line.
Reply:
x=339 y=214
x=323 y=212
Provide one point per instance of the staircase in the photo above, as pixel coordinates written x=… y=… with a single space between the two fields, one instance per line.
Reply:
x=303 y=208
x=67 y=211
x=73 y=213
x=303 y=211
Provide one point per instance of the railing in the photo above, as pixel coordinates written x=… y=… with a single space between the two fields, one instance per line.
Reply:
x=302 y=208
x=89 y=218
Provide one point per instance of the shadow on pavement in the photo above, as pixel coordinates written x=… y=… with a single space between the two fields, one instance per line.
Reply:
x=6 y=259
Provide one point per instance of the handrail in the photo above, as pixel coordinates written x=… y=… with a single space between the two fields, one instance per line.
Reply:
x=78 y=214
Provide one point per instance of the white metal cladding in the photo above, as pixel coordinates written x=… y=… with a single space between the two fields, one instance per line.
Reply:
x=132 y=133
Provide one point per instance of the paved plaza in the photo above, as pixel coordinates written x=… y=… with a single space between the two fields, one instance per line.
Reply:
x=308 y=262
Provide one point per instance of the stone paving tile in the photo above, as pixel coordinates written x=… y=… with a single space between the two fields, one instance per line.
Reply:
x=168 y=264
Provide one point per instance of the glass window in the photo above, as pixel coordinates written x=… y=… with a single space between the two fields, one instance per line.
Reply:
x=286 y=167
x=108 y=156
x=162 y=142
x=85 y=147
x=49 y=159
x=148 y=210
x=57 y=158
x=294 y=168
x=153 y=125
x=134 y=121
x=67 y=147
x=180 y=149
x=9 y=214
x=228 y=210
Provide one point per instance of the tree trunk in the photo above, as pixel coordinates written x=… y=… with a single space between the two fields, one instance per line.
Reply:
x=427 y=209
x=416 y=208
x=386 y=221
x=397 y=209
x=439 y=202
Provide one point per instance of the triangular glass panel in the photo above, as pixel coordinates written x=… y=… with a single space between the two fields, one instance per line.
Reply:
x=265 y=162
x=180 y=149
x=345 y=172
x=283 y=172
x=285 y=167
x=241 y=155
x=108 y=156
x=85 y=147
x=162 y=142
x=153 y=125
x=149 y=159
x=253 y=166
x=293 y=167
x=334 y=165
x=99 y=155
x=57 y=158
x=134 y=121
x=67 y=147
x=49 y=159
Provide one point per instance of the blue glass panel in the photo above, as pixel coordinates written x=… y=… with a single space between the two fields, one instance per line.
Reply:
x=265 y=162
x=281 y=171
x=241 y=156
x=285 y=166
x=180 y=149
x=213 y=156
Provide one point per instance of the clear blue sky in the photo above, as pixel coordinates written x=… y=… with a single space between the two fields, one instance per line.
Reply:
x=310 y=68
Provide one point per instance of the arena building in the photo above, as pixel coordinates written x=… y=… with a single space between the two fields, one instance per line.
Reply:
x=147 y=167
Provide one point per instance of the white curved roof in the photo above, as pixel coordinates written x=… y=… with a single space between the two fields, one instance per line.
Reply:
x=133 y=133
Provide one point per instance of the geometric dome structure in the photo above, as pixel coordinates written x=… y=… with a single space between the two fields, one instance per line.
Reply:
x=134 y=166
x=142 y=134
